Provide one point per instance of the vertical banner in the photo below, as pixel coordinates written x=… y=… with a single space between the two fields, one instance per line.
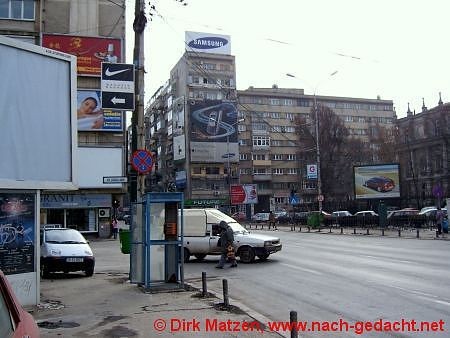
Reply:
x=243 y=194
x=17 y=237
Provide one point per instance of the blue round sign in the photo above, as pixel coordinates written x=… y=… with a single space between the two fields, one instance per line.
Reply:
x=142 y=161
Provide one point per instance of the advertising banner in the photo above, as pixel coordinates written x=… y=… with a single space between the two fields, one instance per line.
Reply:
x=243 y=194
x=91 y=116
x=377 y=181
x=207 y=43
x=213 y=131
x=90 y=51
x=17 y=236
x=311 y=171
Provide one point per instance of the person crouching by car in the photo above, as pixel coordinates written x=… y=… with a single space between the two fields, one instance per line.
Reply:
x=226 y=243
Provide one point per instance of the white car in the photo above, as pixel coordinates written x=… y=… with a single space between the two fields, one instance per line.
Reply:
x=342 y=213
x=365 y=213
x=65 y=250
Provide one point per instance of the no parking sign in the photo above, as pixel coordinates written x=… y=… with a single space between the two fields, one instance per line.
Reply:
x=142 y=161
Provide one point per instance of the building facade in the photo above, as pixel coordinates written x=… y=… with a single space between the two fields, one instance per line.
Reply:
x=94 y=31
x=424 y=156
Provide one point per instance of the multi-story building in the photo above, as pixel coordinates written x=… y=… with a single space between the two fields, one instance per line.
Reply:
x=424 y=155
x=94 y=31
x=272 y=153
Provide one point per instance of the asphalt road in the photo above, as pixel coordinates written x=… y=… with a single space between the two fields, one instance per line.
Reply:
x=331 y=277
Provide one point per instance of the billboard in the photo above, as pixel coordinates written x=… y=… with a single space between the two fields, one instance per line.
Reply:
x=90 y=51
x=38 y=135
x=377 y=181
x=213 y=132
x=243 y=194
x=91 y=116
x=207 y=43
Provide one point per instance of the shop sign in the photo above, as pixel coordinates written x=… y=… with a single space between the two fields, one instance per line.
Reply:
x=204 y=202
x=73 y=201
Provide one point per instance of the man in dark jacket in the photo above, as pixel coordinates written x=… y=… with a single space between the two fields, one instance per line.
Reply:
x=226 y=243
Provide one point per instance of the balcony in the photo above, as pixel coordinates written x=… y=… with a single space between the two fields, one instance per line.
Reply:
x=262 y=177
x=263 y=163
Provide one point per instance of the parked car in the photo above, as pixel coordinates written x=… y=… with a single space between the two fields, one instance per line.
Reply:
x=403 y=213
x=261 y=217
x=65 y=250
x=365 y=213
x=239 y=216
x=380 y=183
x=15 y=322
x=342 y=213
x=430 y=212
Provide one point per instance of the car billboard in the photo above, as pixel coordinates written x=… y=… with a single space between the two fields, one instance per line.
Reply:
x=213 y=131
x=377 y=181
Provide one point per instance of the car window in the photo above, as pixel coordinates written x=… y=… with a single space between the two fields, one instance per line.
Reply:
x=6 y=324
x=64 y=236
x=215 y=230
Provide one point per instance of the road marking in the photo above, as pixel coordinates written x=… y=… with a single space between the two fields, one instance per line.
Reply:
x=302 y=269
x=391 y=259
x=423 y=295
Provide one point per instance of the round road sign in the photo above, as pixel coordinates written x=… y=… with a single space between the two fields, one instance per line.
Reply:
x=320 y=198
x=142 y=161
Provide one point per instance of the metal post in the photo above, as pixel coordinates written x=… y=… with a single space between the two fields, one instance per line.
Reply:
x=319 y=181
x=293 y=320
x=228 y=175
x=226 y=300
x=204 y=289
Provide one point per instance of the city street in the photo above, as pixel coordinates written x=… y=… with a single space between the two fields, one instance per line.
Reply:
x=328 y=277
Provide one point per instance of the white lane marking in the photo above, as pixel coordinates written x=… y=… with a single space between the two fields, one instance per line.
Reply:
x=390 y=259
x=423 y=295
x=302 y=269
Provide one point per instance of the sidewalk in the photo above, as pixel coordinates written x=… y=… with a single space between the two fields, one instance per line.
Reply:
x=107 y=305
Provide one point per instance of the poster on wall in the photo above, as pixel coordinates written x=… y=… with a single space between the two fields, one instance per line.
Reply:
x=377 y=181
x=17 y=237
x=244 y=194
x=214 y=131
x=91 y=116
x=90 y=51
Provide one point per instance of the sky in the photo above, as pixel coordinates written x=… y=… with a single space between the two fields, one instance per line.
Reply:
x=395 y=49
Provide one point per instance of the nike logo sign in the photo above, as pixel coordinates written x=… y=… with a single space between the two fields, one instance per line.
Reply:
x=112 y=73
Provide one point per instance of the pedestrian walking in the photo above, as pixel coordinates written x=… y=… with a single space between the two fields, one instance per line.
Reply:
x=226 y=243
x=439 y=219
x=271 y=220
x=115 y=228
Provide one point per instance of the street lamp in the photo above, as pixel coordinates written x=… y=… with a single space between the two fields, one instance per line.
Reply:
x=319 y=180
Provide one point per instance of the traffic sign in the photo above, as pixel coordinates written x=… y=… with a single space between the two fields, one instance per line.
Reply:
x=117 y=85
x=142 y=161
x=438 y=191
x=320 y=198
x=114 y=179
x=311 y=171
x=294 y=199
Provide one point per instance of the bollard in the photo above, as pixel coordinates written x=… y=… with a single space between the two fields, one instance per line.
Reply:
x=399 y=233
x=342 y=230
x=382 y=232
x=367 y=233
x=299 y=228
x=226 y=301
x=437 y=234
x=330 y=230
x=309 y=229
x=204 y=290
x=354 y=231
x=293 y=319
x=417 y=234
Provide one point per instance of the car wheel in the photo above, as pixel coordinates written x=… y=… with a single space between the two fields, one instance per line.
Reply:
x=247 y=255
x=200 y=256
x=89 y=272
x=263 y=257
x=187 y=255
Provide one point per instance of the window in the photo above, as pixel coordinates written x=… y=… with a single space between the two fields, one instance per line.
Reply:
x=6 y=325
x=291 y=157
x=275 y=115
x=261 y=141
x=212 y=171
x=243 y=142
x=274 y=102
x=260 y=171
x=259 y=126
x=17 y=9
x=244 y=171
x=277 y=171
x=277 y=157
x=276 y=143
x=288 y=102
x=276 y=129
x=243 y=157
x=259 y=157
x=242 y=127
x=289 y=129
x=292 y=171
x=196 y=170
x=290 y=116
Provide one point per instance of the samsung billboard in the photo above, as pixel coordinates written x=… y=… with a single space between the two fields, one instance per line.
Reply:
x=207 y=43
x=377 y=181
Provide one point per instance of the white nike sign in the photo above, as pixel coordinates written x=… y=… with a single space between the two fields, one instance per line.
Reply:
x=112 y=73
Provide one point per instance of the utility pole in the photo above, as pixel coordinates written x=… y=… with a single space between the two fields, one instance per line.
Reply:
x=319 y=181
x=137 y=119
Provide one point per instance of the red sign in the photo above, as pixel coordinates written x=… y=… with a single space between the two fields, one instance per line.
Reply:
x=142 y=161
x=90 y=51
x=237 y=194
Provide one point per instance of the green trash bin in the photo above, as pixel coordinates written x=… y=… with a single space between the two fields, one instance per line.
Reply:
x=314 y=220
x=125 y=241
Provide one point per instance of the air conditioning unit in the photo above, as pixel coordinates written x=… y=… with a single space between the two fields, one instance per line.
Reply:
x=216 y=193
x=104 y=213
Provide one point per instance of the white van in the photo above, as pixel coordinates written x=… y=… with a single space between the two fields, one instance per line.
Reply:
x=201 y=234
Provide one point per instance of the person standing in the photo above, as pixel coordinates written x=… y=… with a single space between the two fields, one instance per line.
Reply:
x=439 y=219
x=226 y=243
x=115 y=228
x=271 y=220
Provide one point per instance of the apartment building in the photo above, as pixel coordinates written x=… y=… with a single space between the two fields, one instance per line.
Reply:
x=94 y=31
x=424 y=155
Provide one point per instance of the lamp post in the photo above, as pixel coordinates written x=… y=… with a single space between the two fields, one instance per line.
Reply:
x=316 y=117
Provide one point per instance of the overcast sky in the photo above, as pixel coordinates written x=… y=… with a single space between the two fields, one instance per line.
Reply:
x=396 y=49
